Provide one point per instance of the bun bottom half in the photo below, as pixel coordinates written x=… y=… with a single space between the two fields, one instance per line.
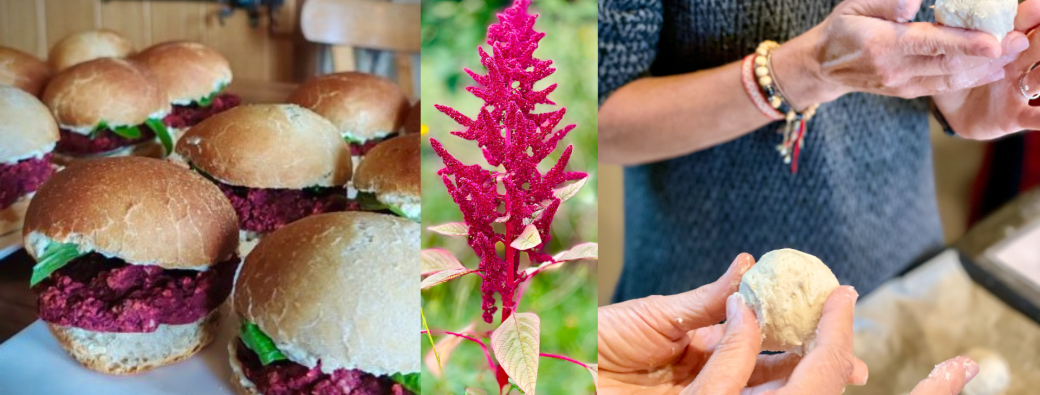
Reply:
x=239 y=381
x=129 y=353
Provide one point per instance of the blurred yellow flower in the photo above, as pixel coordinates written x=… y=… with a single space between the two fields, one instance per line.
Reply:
x=423 y=130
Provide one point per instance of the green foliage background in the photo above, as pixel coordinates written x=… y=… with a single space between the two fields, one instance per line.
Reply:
x=565 y=299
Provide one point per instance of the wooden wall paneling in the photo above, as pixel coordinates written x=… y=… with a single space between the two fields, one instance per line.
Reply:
x=282 y=60
x=177 y=21
x=22 y=26
x=247 y=48
x=131 y=18
x=405 y=74
x=65 y=17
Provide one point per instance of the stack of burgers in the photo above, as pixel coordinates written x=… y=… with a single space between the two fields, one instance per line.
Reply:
x=136 y=255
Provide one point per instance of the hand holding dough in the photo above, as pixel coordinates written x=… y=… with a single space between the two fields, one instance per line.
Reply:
x=787 y=289
x=996 y=17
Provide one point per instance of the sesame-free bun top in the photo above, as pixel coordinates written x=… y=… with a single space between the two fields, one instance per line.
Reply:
x=145 y=211
x=268 y=146
x=88 y=45
x=339 y=288
x=361 y=106
x=117 y=91
x=413 y=122
x=26 y=125
x=391 y=167
x=23 y=71
x=187 y=71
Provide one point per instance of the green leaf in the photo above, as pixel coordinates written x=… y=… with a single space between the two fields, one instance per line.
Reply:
x=528 y=239
x=208 y=100
x=429 y=335
x=129 y=132
x=368 y=202
x=354 y=140
x=433 y=260
x=516 y=344
x=400 y=212
x=410 y=381
x=451 y=229
x=263 y=346
x=54 y=257
x=160 y=130
x=444 y=276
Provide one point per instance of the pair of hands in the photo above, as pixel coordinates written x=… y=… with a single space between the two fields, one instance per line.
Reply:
x=674 y=345
x=870 y=46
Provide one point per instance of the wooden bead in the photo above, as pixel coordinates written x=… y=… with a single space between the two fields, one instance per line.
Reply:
x=761 y=71
x=761 y=61
x=762 y=50
x=765 y=81
x=775 y=102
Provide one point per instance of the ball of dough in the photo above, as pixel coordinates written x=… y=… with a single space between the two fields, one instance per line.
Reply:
x=786 y=289
x=996 y=17
x=994 y=373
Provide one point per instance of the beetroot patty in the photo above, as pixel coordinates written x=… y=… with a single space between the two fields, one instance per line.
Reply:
x=103 y=141
x=267 y=209
x=290 y=378
x=192 y=114
x=23 y=177
x=362 y=149
x=109 y=295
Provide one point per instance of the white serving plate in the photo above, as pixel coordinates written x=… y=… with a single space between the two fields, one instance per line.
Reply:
x=32 y=363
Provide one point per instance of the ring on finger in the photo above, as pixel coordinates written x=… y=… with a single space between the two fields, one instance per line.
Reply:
x=1024 y=87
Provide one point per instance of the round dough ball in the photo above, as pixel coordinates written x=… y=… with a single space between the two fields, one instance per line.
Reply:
x=786 y=289
x=994 y=373
x=996 y=17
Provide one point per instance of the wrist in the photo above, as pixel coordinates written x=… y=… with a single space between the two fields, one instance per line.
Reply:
x=796 y=68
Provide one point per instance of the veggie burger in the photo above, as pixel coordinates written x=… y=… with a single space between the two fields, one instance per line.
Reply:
x=106 y=107
x=276 y=163
x=389 y=176
x=194 y=77
x=134 y=255
x=319 y=317
x=365 y=108
x=29 y=134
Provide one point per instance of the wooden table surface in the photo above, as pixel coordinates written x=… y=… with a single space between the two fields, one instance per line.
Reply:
x=17 y=301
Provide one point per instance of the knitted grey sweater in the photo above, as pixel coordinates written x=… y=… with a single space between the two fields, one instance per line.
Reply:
x=863 y=200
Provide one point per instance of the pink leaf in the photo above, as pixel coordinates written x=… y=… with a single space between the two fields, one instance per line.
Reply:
x=580 y=251
x=444 y=276
x=516 y=344
x=527 y=239
x=451 y=229
x=444 y=348
x=433 y=260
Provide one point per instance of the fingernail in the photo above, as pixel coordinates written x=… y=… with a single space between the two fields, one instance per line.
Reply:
x=733 y=310
x=864 y=381
x=1019 y=44
x=971 y=369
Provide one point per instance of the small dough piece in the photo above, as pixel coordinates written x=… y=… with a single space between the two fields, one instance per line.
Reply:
x=996 y=17
x=786 y=289
x=994 y=373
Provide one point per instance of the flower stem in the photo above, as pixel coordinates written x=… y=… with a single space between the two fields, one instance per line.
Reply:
x=487 y=354
x=565 y=359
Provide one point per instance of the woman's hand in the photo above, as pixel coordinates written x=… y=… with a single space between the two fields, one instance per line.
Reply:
x=869 y=46
x=998 y=109
x=948 y=378
x=671 y=345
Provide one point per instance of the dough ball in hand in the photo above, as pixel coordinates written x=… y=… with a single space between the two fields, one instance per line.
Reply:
x=996 y=17
x=994 y=373
x=787 y=289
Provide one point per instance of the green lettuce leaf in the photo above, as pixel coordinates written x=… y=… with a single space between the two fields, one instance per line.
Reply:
x=263 y=346
x=160 y=130
x=208 y=100
x=128 y=132
x=409 y=381
x=54 y=257
x=368 y=202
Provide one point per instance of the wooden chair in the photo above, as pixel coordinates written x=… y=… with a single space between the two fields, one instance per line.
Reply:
x=370 y=24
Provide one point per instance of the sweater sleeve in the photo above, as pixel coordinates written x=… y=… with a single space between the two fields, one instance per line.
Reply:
x=628 y=34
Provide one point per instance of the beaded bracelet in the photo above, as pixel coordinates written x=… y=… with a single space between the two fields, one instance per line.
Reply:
x=768 y=97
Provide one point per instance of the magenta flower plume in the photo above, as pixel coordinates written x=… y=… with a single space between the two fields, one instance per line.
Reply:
x=511 y=136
